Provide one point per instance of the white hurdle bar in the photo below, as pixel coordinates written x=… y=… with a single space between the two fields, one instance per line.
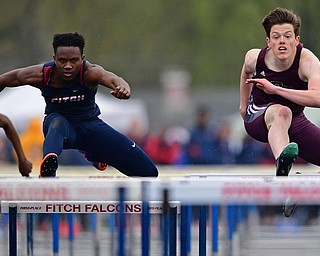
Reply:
x=52 y=195
x=191 y=190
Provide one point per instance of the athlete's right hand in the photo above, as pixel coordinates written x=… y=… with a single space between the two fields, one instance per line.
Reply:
x=25 y=168
x=122 y=89
x=263 y=84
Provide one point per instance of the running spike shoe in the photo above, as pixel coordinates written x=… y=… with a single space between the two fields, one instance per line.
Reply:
x=288 y=207
x=100 y=166
x=287 y=157
x=49 y=165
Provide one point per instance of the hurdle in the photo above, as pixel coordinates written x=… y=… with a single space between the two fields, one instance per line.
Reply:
x=120 y=207
x=96 y=196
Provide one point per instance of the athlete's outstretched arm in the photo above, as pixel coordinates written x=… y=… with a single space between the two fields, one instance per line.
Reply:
x=25 y=167
x=97 y=75
x=31 y=75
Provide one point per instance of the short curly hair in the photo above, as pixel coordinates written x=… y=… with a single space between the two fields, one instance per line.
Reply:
x=68 y=39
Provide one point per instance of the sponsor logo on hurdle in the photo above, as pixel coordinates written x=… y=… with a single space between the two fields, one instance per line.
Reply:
x=30 y=208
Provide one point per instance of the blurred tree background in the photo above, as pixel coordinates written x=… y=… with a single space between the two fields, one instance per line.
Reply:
x=139 y=39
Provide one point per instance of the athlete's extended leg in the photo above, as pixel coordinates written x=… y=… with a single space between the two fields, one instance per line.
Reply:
x=307 y=135
x=105 y=144
x=137 y=164
x=130 y=159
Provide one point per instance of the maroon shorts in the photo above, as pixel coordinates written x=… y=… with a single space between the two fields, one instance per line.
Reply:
x=301 y=131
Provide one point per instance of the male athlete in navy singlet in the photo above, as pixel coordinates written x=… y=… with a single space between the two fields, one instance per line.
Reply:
x=276 y=84
x=69 y=84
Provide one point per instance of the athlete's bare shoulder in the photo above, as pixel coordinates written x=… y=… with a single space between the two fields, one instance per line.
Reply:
x=307 y=55
x=90 y=67
x=250 y=60
x=309 y=65
x=94 y=74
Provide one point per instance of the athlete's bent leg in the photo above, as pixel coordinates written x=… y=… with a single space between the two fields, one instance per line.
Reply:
x=55 y=132
x=278 y=120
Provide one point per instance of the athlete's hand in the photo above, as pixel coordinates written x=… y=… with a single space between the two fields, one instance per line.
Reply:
x=263 y=84
x=122 y=89
x=25 y=168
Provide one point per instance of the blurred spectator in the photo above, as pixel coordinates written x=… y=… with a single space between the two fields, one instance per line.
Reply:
x=222 y=145
x=200 y=149
x=32 y=140
x=180 y=136
x=164 y=148
x=254 y=152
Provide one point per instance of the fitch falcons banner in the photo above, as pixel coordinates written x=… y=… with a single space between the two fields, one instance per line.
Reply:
x=155 y=207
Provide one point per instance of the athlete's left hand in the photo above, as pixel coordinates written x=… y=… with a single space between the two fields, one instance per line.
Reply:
x=122 y=89
x=263 y=84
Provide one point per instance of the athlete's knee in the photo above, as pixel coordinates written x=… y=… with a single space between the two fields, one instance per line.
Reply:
x=57 y=123
x=277 y=114
x=284 y=113
x=58 y=126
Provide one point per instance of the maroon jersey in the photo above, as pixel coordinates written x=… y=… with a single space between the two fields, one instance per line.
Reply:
x=287 y=79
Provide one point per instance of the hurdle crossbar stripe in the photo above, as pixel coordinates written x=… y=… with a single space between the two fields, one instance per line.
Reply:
x=252 y=175
x=194 y=190
x=134 y=207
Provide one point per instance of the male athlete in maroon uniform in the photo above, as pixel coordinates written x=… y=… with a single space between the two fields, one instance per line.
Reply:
x=68 y=85
x=276 y=84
